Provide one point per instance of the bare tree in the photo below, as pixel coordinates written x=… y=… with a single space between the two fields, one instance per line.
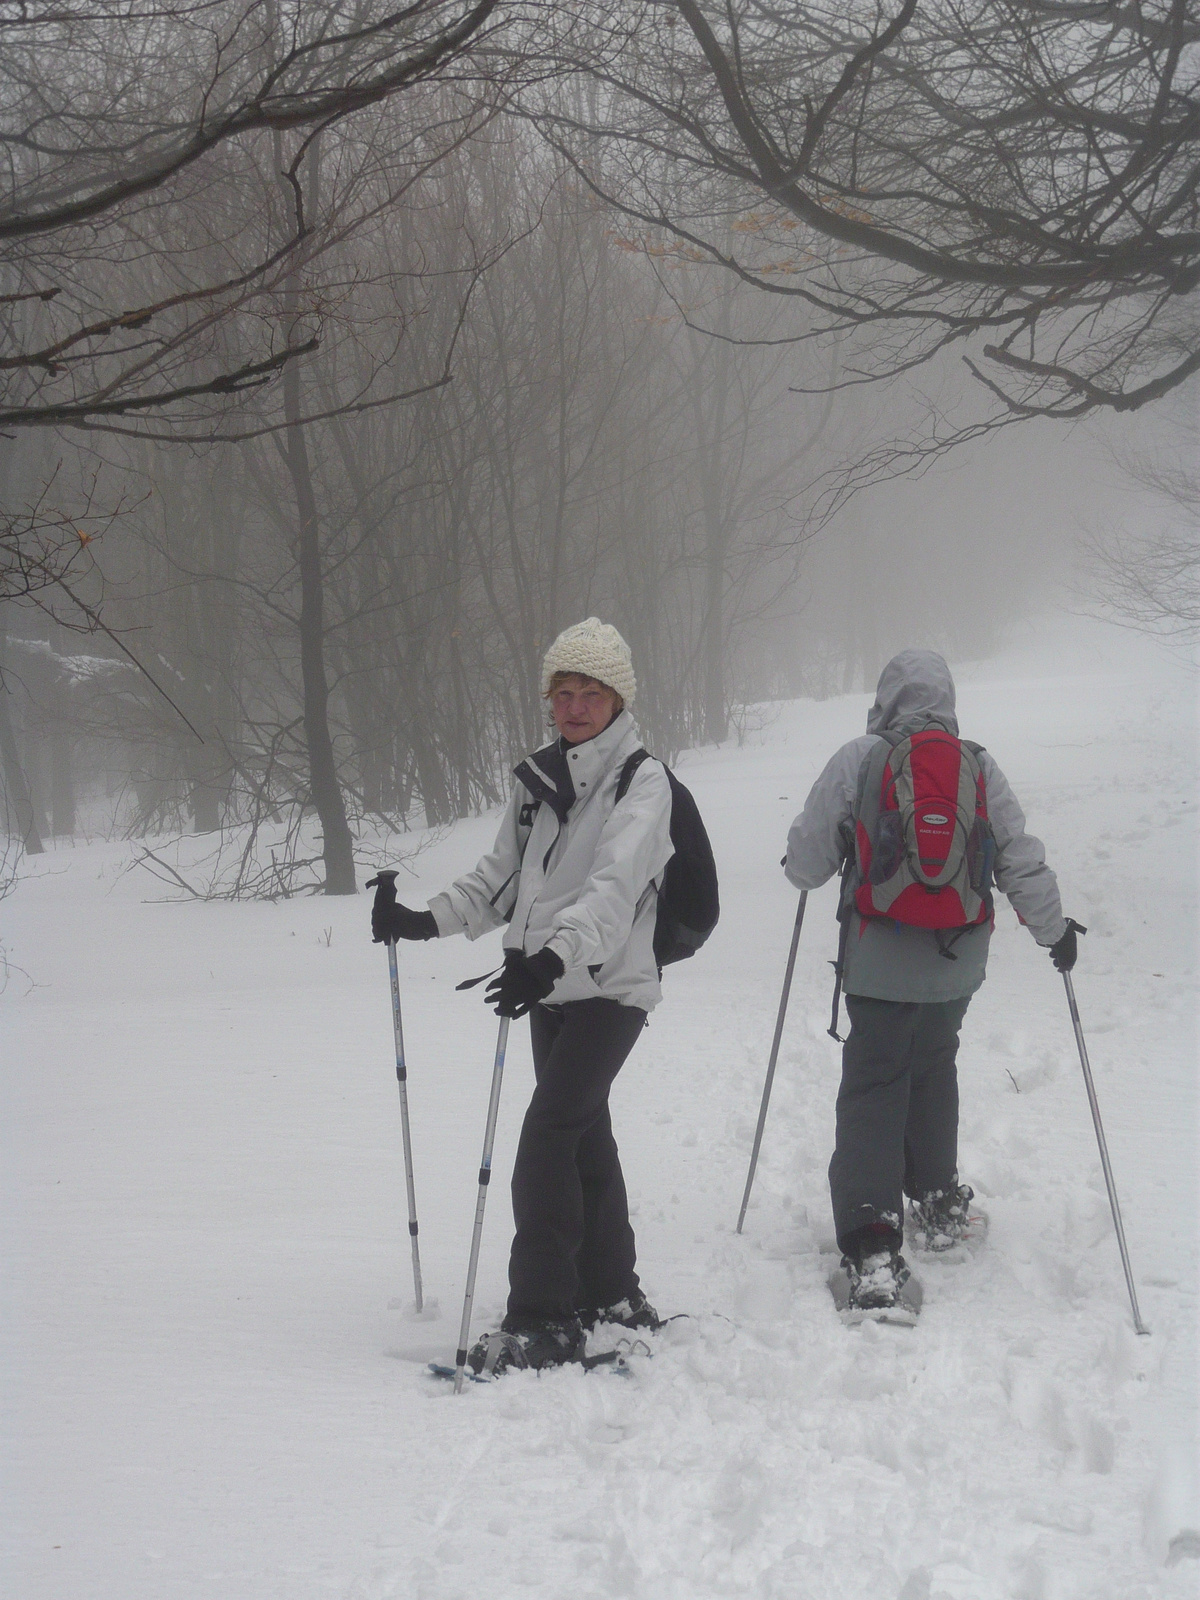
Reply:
x=168 y=250
x=1019 y=178
x=397 y=570
x=182 y=89
x=1150 y=577
x=138 y=275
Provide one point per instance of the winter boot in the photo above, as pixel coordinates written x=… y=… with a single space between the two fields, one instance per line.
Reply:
x=940 y=1219
x=873 y=1282
x=877 y=1280
x=534 y=1342
x=635 y=1311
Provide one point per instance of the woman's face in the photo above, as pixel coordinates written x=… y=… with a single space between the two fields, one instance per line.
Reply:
x=582 y=708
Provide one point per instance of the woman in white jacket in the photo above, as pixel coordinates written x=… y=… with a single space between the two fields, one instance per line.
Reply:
x=572 y=879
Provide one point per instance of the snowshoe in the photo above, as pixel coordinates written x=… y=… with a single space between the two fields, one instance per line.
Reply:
x=443 y=1369
x=612 y=1361
x=539 y=1342
x=635 y=1311
x=943 y=1219
x=876 y=1287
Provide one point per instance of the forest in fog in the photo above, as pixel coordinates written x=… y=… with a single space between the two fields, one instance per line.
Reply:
x=348 y=355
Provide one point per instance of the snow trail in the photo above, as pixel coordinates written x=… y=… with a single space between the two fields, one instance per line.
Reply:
x=208 y=1395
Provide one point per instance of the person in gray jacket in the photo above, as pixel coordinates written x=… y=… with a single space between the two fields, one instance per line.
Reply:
x=907 y=991
x=572 y=881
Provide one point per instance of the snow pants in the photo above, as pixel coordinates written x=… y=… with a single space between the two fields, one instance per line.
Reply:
x=573 y=1245
x=897 y=1111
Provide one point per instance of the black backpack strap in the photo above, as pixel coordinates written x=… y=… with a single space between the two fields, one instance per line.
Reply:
x=631 y=764
x=839 y=967
x=847 y=872
x=845 y=917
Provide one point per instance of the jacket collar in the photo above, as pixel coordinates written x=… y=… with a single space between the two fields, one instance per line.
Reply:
x=547 y=777
x=553 y=773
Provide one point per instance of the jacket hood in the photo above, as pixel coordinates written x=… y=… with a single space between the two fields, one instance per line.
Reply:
x=915 y=689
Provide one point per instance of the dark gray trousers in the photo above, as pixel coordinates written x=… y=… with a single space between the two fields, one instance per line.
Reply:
x=574 y=1244
x=897 y=1110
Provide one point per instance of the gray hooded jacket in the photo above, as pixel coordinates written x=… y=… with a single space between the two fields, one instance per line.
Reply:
x=884 y=959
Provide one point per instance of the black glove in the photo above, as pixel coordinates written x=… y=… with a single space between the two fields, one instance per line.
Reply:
x=1063 y=953
x=524 y=981
x=390 y=920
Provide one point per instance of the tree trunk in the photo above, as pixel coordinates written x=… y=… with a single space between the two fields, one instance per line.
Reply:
x=62 y=787
x=716 y=711
x=338 y=846
x=19 y=806
x=718 y=531
x=205 y=802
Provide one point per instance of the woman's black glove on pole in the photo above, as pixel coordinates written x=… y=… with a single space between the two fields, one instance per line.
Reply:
x=391 y=921
x=524 y=981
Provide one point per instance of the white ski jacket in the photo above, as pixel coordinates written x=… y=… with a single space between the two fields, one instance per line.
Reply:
x=573 y=870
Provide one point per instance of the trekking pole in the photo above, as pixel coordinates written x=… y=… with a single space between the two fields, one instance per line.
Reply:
x=1104 y=1162
x=402 y=1081
x=766 y=1094
x=485 y=1173
x=388 y=880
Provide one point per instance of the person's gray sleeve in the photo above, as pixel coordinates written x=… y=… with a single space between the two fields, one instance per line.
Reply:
x=816 y=839
x=1021 y=872
x=633 y=848
x=480 y=900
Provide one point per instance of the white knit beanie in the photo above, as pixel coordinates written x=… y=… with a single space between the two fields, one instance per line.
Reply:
x=593 y=649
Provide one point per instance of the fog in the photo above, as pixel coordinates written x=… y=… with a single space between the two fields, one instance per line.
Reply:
x=446 y=581
x=282 y=563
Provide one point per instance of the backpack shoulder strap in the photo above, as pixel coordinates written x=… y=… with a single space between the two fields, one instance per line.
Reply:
x=872 y=765
x=628 y=768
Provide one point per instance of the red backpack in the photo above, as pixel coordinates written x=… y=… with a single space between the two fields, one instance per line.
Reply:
x=922 y=849
x=922 y=842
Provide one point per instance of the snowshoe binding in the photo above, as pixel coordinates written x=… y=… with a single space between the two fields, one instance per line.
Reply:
x=534 y=1343
x=943 y=1219
x=874 y=1284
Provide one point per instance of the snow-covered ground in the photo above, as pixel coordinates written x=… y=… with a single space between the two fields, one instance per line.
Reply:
x=214 y=1382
